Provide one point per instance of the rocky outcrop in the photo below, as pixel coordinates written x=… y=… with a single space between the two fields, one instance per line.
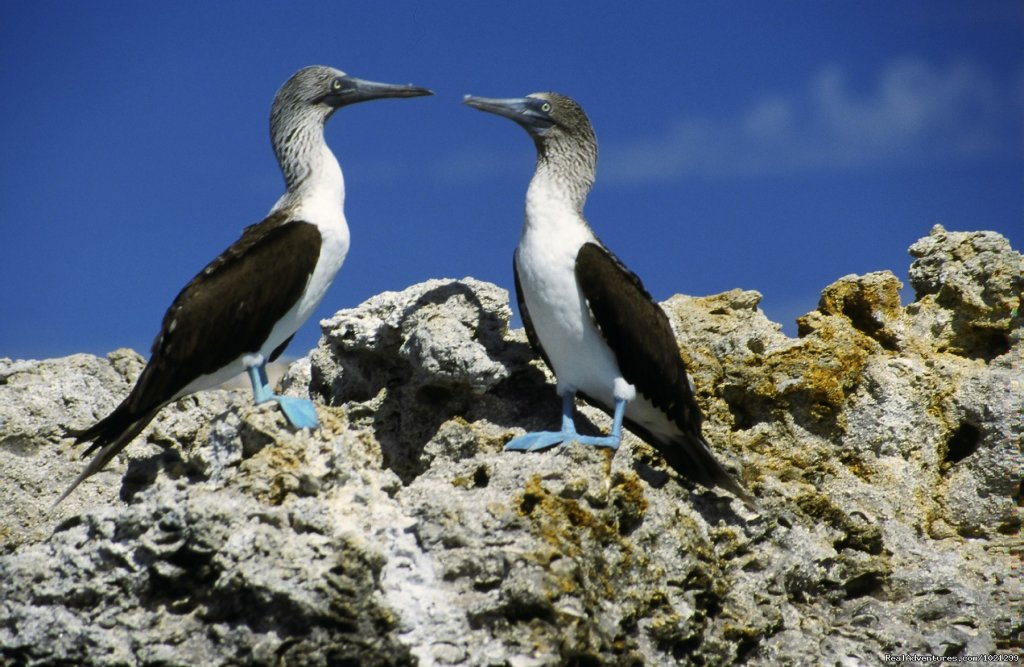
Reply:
x=883 y=444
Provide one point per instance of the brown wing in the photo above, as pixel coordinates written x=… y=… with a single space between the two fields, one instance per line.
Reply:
x=228 y=309
x=638 y=333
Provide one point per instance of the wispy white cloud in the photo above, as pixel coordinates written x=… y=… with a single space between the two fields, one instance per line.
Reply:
x=476 y=163
x=912 y=112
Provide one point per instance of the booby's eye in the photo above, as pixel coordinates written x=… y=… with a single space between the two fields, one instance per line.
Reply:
x=336 y=85
x=546 y=107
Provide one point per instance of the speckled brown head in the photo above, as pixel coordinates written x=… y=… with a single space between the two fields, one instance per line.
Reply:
x=560 y=130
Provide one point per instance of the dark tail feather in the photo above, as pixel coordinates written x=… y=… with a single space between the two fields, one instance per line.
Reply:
x=110 y=435
x=693 y=459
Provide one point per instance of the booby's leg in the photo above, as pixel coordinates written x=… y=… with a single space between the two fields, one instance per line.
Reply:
x=532 y=442
x=612 y=440
x=300 y=412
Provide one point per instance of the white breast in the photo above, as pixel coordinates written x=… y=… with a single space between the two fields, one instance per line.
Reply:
x=325 y=211
x=546 y=262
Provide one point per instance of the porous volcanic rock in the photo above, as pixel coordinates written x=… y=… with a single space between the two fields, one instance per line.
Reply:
x=883 y=444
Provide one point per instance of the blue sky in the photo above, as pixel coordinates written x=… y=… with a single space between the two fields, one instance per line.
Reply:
x=773 y=146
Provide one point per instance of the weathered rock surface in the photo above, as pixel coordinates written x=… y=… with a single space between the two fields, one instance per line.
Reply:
x=883 y=443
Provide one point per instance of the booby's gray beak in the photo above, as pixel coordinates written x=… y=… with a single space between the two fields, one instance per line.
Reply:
x=529 y=112
x=352 y=90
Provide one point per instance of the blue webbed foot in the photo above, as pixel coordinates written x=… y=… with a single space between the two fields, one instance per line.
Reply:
x=534 y=442
x=609 y=441
x=612 y=440
x=300 y=412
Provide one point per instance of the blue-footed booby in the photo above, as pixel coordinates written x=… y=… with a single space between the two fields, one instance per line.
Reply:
x=244 y=307
x=588 y=316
